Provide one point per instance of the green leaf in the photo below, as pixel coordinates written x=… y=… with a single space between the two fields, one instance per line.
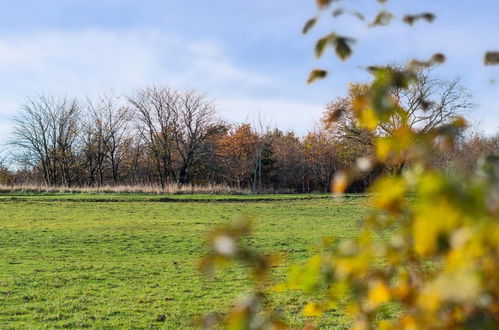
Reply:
x=359 y=16
x=309 y=25
x=316 y=74
x=429 y=17
x=322 y=43
x=383 y=18
x=437 y=58
x=338 y=12
x=411 y=19
x=343 y=49
x=341 y=45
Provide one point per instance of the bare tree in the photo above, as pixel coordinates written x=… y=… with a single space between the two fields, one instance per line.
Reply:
x=5 y=173
x=93 y=148
x=109 y=130
x=45 y=132
x=430 y=101
x=264 y=139
x=169 y=136
x=195 y=125
x=157 y=115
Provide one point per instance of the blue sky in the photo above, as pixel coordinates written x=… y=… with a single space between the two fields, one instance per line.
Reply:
x=249 y=56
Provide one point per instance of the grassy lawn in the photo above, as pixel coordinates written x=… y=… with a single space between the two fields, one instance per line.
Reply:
x=112 y=261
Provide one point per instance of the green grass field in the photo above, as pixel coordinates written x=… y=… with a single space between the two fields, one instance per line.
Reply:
x=113 y=261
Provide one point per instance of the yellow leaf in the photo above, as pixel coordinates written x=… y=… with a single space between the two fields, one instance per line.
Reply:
x=356 y=265
x=400 y=141
x=353 y=310
x=432 y=222
x=312 y=309
x=383 y=148
x=368 y=118
x=379 y=293
x=337 y=291
x=279 y=287
x=340 y=183
x=389 y=194
x=385 y=325
x=430 y=185
x=363 y=110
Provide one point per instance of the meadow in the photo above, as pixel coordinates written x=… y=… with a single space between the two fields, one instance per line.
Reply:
x=130 y=260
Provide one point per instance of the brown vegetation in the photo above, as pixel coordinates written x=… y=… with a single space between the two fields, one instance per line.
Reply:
x=172 y=141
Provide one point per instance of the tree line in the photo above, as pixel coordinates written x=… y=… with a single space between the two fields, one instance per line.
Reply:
x=161 y=136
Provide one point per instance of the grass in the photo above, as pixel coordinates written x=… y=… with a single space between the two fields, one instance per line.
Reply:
x=128 y=189
x=114 y=261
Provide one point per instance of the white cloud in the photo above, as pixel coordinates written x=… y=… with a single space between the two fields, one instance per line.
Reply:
x=95 y=59
x=88 y=62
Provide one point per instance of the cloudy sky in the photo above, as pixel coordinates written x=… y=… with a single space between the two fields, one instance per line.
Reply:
x=249 y=56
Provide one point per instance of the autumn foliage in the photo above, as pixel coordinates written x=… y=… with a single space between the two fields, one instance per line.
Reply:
x=438 y=267
x=237 y=152
x=444 y=236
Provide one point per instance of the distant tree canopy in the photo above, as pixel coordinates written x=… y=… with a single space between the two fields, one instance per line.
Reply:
x=160 y=136
x=428 y=102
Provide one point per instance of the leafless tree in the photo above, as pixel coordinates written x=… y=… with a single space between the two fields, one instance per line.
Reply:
x=430 y=101
x=162 y=135
x=108 y=131
x=93 y=148
x=264 y=139
x=45 y=133
x=157 y=115
x=195 y=124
